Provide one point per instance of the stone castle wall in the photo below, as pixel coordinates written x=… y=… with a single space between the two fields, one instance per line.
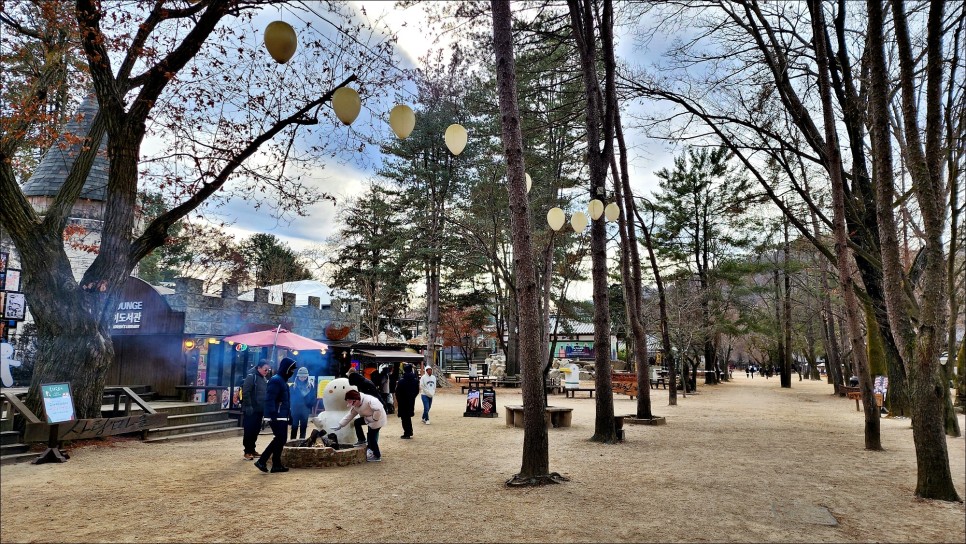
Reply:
x=226 y=315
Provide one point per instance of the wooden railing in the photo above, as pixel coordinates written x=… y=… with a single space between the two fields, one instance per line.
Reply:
x=130 y=397
x=11 y=405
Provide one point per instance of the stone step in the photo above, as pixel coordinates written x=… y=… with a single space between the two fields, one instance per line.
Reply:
x=9 y=437
x=202 y=435
x=10 y=449
x=191 y=428
x=200 y=417
x=18 y=458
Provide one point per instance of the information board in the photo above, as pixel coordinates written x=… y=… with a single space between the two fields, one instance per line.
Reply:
x=58 y=402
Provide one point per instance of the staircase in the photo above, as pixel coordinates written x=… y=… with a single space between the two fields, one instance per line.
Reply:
x=193 y=421
x=12 y=451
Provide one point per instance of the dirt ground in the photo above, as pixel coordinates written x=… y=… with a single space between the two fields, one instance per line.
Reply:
x=739 y=462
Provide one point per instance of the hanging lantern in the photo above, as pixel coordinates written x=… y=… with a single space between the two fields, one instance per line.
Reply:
x=280 y=40
x=529 y=182
x=455 y=138
x=346 y=103
x=596 y=209
x=556 y=218
x=612 y=211
x=402 y=120
x=579 y=221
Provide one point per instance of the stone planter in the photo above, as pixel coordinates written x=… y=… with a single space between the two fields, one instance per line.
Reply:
x=320 y=457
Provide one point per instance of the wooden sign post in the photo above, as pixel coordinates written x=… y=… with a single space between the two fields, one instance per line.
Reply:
x=58 y=407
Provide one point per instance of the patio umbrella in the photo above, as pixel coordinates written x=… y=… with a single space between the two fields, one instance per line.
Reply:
x=277 y=337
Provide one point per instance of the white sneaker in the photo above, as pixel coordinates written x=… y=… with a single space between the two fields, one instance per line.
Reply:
x=426 y=422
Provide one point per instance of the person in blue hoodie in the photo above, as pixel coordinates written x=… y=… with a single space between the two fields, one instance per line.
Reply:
x=277 y=409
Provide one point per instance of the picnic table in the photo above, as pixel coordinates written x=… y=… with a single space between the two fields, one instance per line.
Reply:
x=554 y=416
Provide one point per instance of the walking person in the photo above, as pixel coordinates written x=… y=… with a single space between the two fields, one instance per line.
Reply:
x=303 y=397
x=427 y=388
x=372 y=413
x=386 y=393
x=253 y=406
x=406 y=392
x=277 y=409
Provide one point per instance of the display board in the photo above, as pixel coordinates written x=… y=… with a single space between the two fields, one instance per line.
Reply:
x=58 y=402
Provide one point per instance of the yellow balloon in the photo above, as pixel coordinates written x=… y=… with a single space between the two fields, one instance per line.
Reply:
x=578 y=221
x=455 y=138
x=346 y=103
x=595 y=208
x=612 y=211
x=280 y=40
x=529 y=183
x=556 y=218
x=402 y=120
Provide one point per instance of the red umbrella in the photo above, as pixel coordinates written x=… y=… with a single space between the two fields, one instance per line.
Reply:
x=277 y=337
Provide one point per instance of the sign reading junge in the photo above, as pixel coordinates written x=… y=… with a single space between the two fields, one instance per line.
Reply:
x=58 y=402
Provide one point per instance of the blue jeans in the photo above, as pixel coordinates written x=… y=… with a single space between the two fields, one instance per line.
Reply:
x=373 y=442
x=427 y=404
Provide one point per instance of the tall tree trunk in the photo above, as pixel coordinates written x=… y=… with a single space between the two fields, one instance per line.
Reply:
x=786 y=362
x=842 y=254
x=918 y=346
x=535 y=468
x=662 y=307
x=599 y=119
x=631 y=264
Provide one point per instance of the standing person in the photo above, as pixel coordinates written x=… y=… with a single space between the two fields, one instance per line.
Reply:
x=427 y=388
x=277 y=409
x=302 y=402
x=372 y=413
x=253 y=406
x=406 y=391
x=386 y=397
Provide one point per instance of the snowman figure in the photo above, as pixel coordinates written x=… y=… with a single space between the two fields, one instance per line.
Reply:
x=333 y=398
x=6 y=361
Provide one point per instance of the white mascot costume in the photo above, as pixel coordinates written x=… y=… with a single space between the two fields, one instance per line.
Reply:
x=335 y=409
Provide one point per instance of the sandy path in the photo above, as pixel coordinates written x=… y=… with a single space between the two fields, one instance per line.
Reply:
x=744 y=461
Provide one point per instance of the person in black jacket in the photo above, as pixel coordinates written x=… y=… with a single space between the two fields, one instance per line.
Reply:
x=367 y=387
x=407 y=389
x=277 y=410
x=253 y=406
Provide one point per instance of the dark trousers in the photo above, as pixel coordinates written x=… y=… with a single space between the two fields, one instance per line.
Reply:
x=274 y=449
x=252 y=423
x=359 y=424
x=374 y=443
x=407 y=423
x=300 y=422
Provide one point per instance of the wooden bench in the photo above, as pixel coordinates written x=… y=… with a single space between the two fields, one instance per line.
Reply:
x=554 y=416
x=572 y=393
x=658 y=382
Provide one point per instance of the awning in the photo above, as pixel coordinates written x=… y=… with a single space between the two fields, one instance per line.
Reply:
x=380 y=356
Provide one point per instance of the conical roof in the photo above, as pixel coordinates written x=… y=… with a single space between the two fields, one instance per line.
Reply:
x=52 y=171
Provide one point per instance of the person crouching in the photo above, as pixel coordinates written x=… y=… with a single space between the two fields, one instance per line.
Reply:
x=373 y=413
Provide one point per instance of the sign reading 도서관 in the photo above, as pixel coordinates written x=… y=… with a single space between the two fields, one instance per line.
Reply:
x=58 y=402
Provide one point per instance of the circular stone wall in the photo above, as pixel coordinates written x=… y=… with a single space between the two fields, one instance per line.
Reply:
x=318 y=457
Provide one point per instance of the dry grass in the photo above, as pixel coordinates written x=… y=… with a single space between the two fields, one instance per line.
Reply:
x=740 y=462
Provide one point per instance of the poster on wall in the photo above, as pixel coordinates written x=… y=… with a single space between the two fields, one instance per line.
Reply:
x=4 y=257
x=12 y=281
x=16 y=306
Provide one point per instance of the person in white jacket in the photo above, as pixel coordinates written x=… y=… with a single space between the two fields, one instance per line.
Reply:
x=373 y=413
x=427 y=388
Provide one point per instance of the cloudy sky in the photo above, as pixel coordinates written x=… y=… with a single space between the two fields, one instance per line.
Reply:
x=346 y=180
